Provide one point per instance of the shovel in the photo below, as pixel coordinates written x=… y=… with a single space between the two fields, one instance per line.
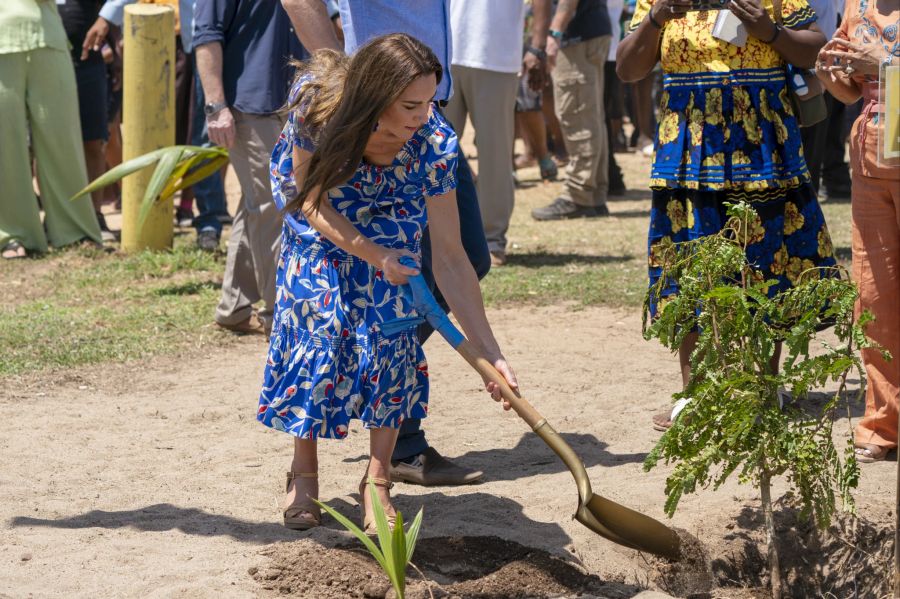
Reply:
x=607 y=518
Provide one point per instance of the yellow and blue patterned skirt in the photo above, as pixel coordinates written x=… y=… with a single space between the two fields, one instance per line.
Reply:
x=730 y=137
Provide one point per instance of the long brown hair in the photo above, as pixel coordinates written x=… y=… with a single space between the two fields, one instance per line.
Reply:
x=344 y=98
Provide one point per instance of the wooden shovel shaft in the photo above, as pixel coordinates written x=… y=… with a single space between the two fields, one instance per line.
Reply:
x=521 y=406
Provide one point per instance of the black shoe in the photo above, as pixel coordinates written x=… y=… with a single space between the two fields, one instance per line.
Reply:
x=564 y=208
x=431 y=469
x=225 y=219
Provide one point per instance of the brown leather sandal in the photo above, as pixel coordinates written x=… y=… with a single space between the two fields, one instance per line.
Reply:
x=304 y=513
x=369 y=525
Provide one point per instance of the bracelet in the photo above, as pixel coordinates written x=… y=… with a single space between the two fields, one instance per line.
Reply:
x=775 y=35
x=554 y=33
x=652 y=20
x=540 y=54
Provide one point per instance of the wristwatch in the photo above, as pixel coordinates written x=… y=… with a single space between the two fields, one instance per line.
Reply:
x=211 y=108
x=540 y=54
x=554 y=33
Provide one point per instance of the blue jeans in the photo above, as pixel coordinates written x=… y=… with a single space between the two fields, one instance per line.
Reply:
x=210 y=192
x=411 y=440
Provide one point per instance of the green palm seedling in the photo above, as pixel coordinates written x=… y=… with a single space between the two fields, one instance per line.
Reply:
x=177 y=167
x=395 y=548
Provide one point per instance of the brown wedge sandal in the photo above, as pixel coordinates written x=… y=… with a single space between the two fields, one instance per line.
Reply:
x=304 y=513
x=369 y=525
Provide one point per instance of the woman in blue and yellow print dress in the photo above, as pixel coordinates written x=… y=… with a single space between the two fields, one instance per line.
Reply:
x=727 y=133
x=365 y=162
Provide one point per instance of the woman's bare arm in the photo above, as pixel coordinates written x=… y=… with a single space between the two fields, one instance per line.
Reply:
x=341 y=232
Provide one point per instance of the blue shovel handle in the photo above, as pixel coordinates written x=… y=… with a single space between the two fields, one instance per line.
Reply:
x=418 y=293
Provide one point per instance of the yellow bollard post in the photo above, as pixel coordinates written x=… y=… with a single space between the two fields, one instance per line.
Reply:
x=148 y=117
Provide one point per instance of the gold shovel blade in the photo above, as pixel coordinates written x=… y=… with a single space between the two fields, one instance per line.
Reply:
x=628 y=527
x=607 y=518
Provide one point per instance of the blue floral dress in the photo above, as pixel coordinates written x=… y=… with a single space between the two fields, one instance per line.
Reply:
x=328 y=361
x=727 y=133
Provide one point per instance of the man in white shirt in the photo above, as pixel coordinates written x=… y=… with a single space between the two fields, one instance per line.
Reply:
x=486 y=57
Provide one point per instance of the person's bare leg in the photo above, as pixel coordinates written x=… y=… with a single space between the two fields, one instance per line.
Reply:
x=527 y=158
x=643 y=101
x=535 y=131
x=684 y=358
x=95 y=158
x=775 y=360
x=548 y=106
x=306 y=461
x=381 y=446
x=114 y=155
x=663 y=420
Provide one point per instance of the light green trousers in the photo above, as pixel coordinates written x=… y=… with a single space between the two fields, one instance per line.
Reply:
x=37 y=90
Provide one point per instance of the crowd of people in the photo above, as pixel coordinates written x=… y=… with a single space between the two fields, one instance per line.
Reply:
x=342 y=122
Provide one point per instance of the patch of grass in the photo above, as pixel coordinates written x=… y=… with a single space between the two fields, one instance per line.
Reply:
x=544 y=279
x=88 y=306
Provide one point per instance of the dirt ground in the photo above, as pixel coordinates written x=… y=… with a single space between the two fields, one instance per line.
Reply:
x=154 y=479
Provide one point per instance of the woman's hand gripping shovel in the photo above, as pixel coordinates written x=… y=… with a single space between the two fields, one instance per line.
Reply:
x=607 y=518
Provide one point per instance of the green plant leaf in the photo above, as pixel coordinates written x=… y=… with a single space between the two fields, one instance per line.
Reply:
x=412 y=535
x=399 y=551
x=197 y=163
x=120 y=171
x=384 y=537
x=157 y=181
x=187 y=162
x=366 y=541
x=202 y=172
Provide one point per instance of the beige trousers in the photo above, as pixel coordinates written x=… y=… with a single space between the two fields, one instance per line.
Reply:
x=489 y=99
x=256 y=233
x=578 y=90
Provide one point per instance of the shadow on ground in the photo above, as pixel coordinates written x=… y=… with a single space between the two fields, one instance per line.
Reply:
x=451 y=514
x=541 y=259
x=161 y=517
x=532 y=457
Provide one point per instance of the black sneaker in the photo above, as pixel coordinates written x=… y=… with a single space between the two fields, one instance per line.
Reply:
x=564 y=208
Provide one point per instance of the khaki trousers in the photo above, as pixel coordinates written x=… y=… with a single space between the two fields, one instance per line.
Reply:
x=37 y=89
x=256 y=233
x=489 y=99
x=578 y=90
x=876 y=270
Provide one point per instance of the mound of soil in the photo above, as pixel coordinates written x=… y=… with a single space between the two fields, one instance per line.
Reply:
x=691 y=575
x=464 y=567
x=853 y=558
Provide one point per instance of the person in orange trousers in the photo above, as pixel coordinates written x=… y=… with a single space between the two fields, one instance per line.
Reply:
x=849 y=66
